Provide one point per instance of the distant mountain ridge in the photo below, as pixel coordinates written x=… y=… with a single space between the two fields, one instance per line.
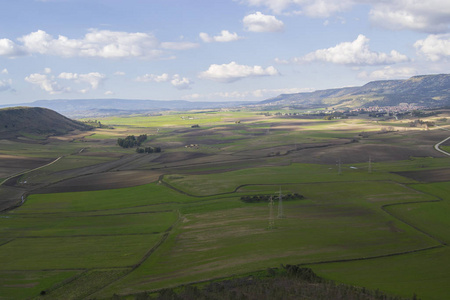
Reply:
x=423 y=90
x=109 y=107
x=426 y=90
x=35 y=121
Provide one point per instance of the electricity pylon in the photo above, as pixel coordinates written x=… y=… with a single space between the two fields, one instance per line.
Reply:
x=271 y=220
x=280 y=206
x=339 y=167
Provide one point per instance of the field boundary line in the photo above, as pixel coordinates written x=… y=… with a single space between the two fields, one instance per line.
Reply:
x=141 y=261
x=7 y=242
x=371 y=257
x=383 y=208
x=161 y=179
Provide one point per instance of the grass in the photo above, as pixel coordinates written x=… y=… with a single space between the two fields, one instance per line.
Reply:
x=424 y=274
x=75 y=252
x=23 y=285
x=233 y=238
x=151 y=194
x=296 y=173
x=86 y=284
x=115 y=224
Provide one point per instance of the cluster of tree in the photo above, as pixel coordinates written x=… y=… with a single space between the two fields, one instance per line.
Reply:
x=288 y=282
x=266 y=198
x=424 y=114
x=148 y=150
x=95 y=124
x=131 y=141
x=421 y=123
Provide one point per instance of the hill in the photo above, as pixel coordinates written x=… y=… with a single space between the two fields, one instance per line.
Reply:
x=26 y=121
x=425 y=90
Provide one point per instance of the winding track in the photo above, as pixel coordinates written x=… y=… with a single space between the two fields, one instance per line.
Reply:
x=436 y=147
x=25 y=172
x=439 y=149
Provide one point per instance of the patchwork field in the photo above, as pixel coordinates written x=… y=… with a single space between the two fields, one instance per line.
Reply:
x=104 y=221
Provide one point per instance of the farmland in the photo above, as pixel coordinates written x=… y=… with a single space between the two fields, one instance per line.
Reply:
x=103 y=220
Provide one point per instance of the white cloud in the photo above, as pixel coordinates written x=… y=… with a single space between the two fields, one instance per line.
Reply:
x=181 y=83
x=10 y=49
x=232 y=72
x=119 y=73
x=389 y=73
x=4 y=71
x=434 y=47
x=96 y=43
x=50 y=83
x=277 y=6
x=353 y=53
x=5 y=85
x=313 y=8
x=225 y=36
x=325 y=8
x=94 y=79
x=152 y=77
x=259 y=22
x=46 y=83
x=428 y=16
x=109 y=93
x=176 y=80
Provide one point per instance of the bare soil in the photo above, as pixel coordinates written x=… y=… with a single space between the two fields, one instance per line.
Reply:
x=10 y=165
x=178 y=156
x=428 y=175
x=103 y=181
x=380 y=147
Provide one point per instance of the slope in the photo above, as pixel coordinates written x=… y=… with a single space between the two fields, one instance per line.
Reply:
x=26 y=121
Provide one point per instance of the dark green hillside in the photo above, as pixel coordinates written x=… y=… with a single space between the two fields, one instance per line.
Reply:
x=20 y=121
x=425 y=90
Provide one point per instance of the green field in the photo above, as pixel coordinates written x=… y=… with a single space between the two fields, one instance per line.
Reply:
x=359 y=223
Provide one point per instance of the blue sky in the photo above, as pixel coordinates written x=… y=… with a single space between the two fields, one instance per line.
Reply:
x=233 y=50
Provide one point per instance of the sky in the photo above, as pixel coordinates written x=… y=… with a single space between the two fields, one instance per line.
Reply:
x=213 y=50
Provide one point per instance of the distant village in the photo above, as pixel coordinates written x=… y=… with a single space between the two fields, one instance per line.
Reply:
x=398 y=112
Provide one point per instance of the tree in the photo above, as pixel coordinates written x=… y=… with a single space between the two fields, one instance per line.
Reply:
x=149 y=150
